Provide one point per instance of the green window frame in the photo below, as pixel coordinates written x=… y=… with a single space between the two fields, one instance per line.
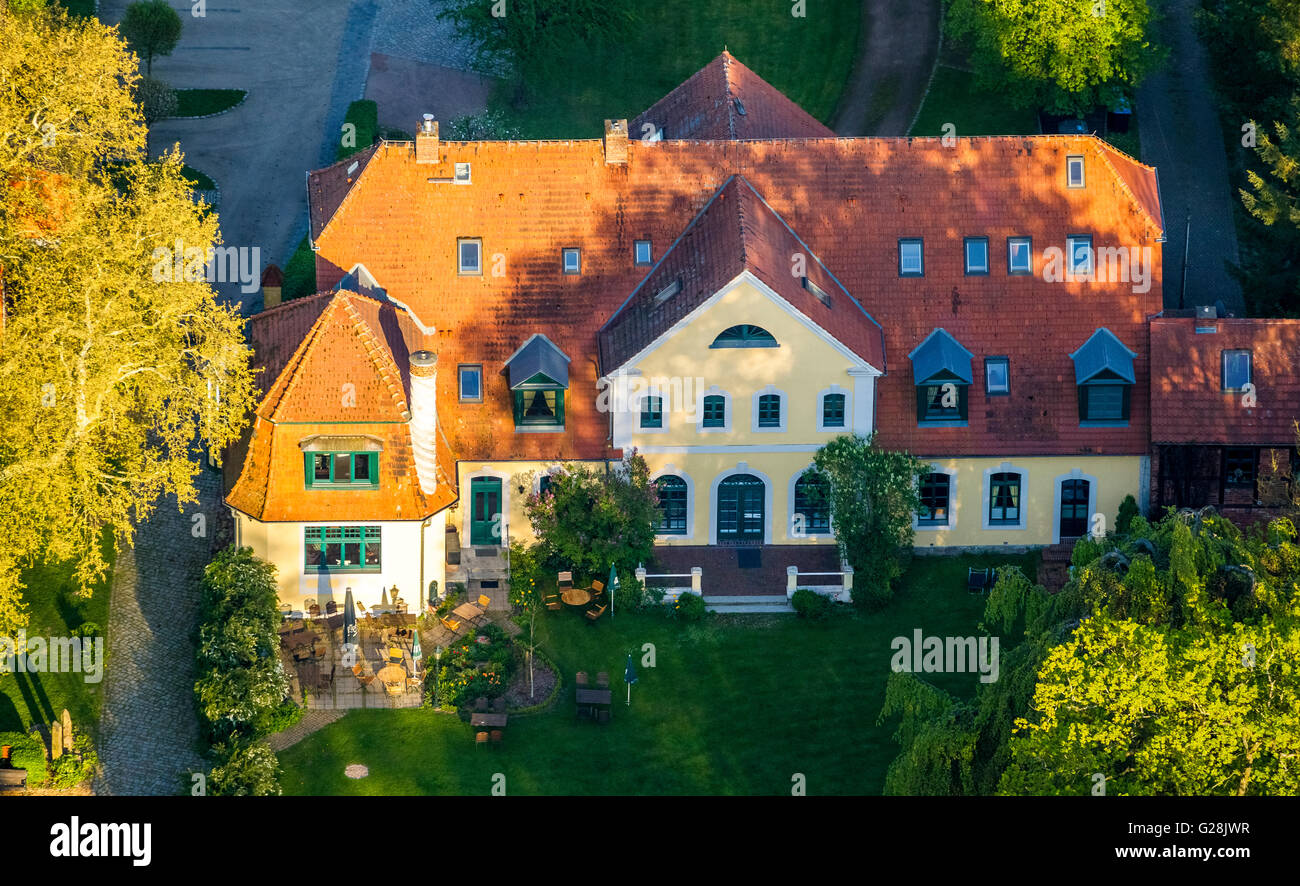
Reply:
x=652 y=412
x=539 y=407
x=745 y=335
x=769 y=411
x=343 y=548
x=715 y=411
x=671 y=491
x=1004 y=499
x=341 y=470
x=1104 y=404
x=833 y=410
x=930 y=408
x=812 y=499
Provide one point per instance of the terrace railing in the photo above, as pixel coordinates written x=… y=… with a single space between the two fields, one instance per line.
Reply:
x=840 y=586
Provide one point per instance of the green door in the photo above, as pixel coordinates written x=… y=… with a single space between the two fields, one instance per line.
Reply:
x=741 y=515
x=485 y=511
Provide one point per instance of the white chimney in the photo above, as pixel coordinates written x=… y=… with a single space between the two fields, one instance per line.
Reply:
x=424 y=418
x=426 y=141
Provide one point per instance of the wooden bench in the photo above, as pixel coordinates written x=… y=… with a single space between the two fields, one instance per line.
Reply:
x=13 y=779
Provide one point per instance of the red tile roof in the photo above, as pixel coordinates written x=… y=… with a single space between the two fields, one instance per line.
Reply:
x=726 y=100
x=1188 y=404
x=348 y=375
x=735 y=232
x=848 y=199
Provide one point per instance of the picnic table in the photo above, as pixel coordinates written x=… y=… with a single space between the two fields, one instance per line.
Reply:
x=488 y=719
x=595 y=696
x=467 y=612
x=576 y=597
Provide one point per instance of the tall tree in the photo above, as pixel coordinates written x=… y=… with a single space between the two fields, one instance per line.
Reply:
x=1275 y=203
x=151 y=27
x=1067 y=56
x=872 y=494
x=117 y=366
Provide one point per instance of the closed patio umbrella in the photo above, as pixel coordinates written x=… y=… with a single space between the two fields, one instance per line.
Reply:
x=613 y=586
x=416 y=652
x=351 y=636
x=629 y=677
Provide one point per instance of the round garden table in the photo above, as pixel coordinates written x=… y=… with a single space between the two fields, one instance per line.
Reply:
x=392 y=675
x=576 y=597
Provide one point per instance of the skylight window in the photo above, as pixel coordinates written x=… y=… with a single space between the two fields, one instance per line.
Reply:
x=1074 y=171
x=469 y=256
x=977 y=255
x=911 y=262
x=668 y=292
x=462 y=174
x=816 y=290
x=1236 y=370
x=1020 y=255
x=572 y=260
x=641 y=252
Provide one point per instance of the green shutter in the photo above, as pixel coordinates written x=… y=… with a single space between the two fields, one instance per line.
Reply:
x=559 y=408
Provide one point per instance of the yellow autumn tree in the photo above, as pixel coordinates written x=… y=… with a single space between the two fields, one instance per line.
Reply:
x=118 y=367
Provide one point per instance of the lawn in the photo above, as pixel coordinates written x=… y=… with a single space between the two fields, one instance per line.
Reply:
x=200 y=179
x=808 y=59
x=79 y=8
x=201 y=102
x=735 y=705
x=55 y=609
x=953 y=98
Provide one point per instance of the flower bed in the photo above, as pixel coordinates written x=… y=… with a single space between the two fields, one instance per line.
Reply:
x=472 y=669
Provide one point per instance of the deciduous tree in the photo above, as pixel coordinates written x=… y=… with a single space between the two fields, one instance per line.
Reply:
x=151 y=27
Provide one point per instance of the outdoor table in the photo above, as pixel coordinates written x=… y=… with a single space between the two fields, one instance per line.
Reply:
x=391 y=674
x=467 y=612
x=595 y=696
x=576 y=597
x=487 y=720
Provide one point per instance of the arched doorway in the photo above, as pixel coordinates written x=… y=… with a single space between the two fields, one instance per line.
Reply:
x=1074 y=508
x=741 y=509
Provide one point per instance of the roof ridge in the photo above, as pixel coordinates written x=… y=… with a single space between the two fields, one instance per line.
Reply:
x=376 y=352
x=728 y=97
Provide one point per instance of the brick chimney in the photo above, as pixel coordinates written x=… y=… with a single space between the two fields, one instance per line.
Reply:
x=272 y=285
x=424 y=417
x=615 y=142
x=426 y=141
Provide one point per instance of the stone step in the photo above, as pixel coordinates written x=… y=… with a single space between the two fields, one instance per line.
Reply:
x=783 y=608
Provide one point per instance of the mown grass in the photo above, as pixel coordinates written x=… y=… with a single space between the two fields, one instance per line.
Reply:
x=954 y=98
x=735 y=705
x=569 y=94
x=201 y=102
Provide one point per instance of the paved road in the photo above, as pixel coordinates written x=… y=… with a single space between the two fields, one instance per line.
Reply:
x=148 y=727
x=896 y=51
x=300 y=71
x=1181 y=138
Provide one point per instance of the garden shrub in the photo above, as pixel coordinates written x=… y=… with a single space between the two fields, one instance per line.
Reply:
x=689 y=607
x=811 y=605
x=1128 y=509
x=244 y=770
x=460 y=680
x=28 y=752
x=73 y=768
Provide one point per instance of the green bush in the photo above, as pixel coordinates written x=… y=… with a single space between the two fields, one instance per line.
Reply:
x=28 y=752
x=300 y=273
x=460 y=679
x=244 y=770
x=73 y=768
x=811 y=605
x=281 y=718
x=1128 y=509
x=633 y=596
x=689 y=607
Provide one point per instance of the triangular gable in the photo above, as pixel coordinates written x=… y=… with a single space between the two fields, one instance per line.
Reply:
x=538 y=363
x=341 y=372
x=940 y=357
x=1103 y=356
x=735 y=232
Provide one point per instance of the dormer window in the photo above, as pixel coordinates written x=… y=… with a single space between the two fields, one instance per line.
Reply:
x=539 y=378
x=1103 y=374
x=342 y=470
x=1074 y=171
x=572 y=258
x=641 y=252
x=941 y=372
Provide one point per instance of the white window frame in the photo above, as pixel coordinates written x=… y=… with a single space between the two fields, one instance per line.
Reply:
x=1070 y=242
x=1073 y=162
x=785 y=411
x=918 y=526
x=460 y=382
x=459 y=178
x=649 y=253
x=576 y=252
x=965 y=250
x=460 y=255
x=1012 y=270
x=1005 y=468
x=845 y=428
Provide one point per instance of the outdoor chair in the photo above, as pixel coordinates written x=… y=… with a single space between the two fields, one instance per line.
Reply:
x=497 y=737
x=581 y=680
x=499 y=704
x=331 y=607
x=361 y=607
x=451 y=623
x=314 y=610
x=602 y=680
x=481 y=740
x=483 y=602
x=977 y=580
x=552 y=602
x=480 y=705
x=602 y=715
x=564 y=580
x=593 y=615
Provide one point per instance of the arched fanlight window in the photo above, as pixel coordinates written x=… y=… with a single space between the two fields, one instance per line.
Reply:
x=744 y=336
